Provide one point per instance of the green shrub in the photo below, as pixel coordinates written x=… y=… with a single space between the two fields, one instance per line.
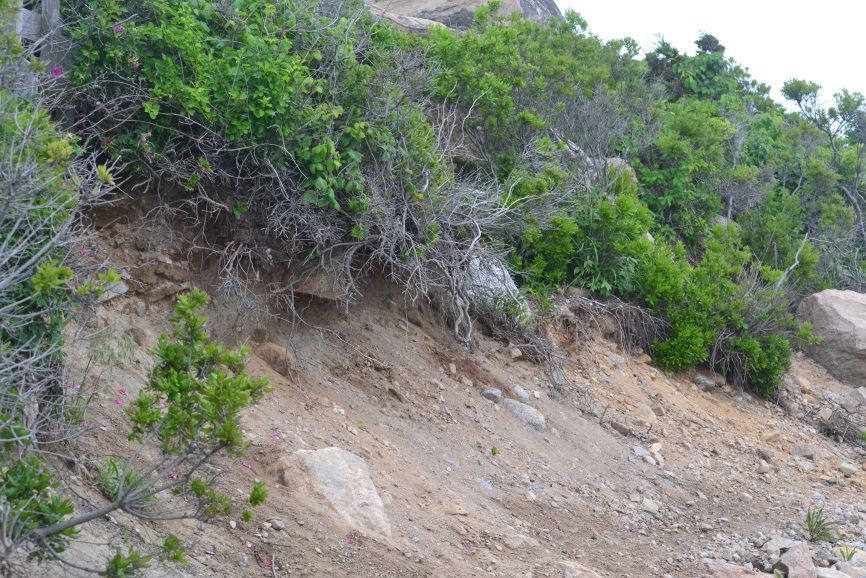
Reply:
x=730 y=315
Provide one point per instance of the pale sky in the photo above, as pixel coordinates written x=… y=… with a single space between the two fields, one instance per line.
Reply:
x=824 y=42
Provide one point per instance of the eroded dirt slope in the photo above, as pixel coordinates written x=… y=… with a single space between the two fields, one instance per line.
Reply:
x=637 y=473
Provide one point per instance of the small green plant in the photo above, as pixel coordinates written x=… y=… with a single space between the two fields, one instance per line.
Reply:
x=819 y=528
x=847 y=553
x=362 y=426
x=603 y=413
x=115 y=477
x=494 y=450
x=246 y=516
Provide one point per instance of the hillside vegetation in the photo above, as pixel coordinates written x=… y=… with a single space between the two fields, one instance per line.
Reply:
x=306 y=131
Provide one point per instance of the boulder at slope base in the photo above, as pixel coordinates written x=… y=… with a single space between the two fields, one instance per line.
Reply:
x=839 y=319
x=342 y=478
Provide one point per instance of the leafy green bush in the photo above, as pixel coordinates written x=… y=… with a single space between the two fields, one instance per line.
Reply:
x=729 y=314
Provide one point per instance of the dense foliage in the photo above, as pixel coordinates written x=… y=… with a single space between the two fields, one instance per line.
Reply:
x=673 y=180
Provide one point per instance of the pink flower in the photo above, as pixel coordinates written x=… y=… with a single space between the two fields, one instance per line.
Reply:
x=191 y=554
x=82 y=251
x=81 y=133
x=118 y=27
x=118 y=402
x=348 y=541
x=160 y=404
x=246 y=465
x=249 y=544
x=122 y=391
x=275 y=437
x=57 y=72
x=85 y=424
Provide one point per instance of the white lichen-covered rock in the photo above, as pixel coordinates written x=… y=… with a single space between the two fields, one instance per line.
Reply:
x=525 y=413
x=839 y=319
x=489 y=285
x=344 y=480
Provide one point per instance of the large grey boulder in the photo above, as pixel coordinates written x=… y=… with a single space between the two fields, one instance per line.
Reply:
x=839 y=319
x=343 y=479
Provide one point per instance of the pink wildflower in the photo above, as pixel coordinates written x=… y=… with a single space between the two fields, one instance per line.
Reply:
x=118 y=27
x=57 y=72
x=118 y=402
x=275 y=437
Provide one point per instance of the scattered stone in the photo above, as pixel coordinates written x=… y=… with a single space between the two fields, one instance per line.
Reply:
x=658 y=409
x=165 y=289
x=616 y=359
x=650 y=506
x=764 y=468
x=703 y=382
x=278 y=524
x=343 y=478
x=831 y=573
x=527 y=414
x=114 y=290
x=797 y=563
x=803 y=450
x=771 y=435
x=520 y=542
x=520 y=392
x=139 y=335
x=414 y=317
x=516 y=353
x=571 y=569
x=396 y=393
x=621 y=428
x=859 y=395
x=233 y=524
x=140 y=309
x=825 y=414
x=850 y=570
x=644 y=358
x=723 y=570
x=848 y=469
x=492 y=394
x=278 y=358
x=642 y=416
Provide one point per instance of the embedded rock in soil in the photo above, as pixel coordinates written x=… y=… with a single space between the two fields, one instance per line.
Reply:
x=571 y=569
x=528 y=415
x=520 y=542
x=278 y=358
x=343 y=478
